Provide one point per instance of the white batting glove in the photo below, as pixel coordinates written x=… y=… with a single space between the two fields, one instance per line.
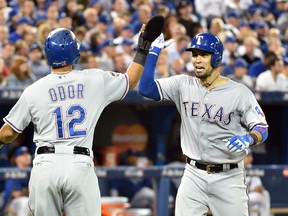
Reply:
x=159 y=43
x=239 y=143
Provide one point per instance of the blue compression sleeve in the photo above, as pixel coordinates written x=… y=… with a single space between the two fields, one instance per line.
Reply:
x=147 y=85
x=263 y=131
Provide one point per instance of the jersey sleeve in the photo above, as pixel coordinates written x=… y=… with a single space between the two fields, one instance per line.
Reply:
x=169 y=87
x=19 y=116
x=253 y=114
x=116 y=85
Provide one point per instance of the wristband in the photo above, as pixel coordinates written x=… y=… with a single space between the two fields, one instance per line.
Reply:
x=140 y=58
x=255 y=138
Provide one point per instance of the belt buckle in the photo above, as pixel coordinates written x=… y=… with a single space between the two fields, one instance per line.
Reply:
x=209 y=167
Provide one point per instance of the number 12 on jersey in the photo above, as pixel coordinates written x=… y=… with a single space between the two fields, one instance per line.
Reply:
x=76 y=116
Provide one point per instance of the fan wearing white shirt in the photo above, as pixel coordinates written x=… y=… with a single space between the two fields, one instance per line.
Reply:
x=273 y=79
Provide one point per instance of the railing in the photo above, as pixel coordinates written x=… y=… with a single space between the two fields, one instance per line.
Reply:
x=274 y=177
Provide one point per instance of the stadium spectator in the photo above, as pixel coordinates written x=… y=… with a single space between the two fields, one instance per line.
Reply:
x=139 y=191
x=273 y=79
x=186 y=56
x=52 y=15
x=180 y=44
x=232 y=22
x=230 y=48
x=126 y=32
x=128 y=48
x=285 y=71
x=237 y=5
x=260 y=66
x=240 y=73
x=29 y=35
x=259 y=198
x=4 y=32
x=170 y=21
x=20 y=74
x=177 y=31
x=209 y=9
x=27 y=9
x=92 y=62
x=8 y=52
x=42 y=33
x=275 y=45
x=162 y=66
x=119 y=62
x=262 y=30
x=279 y=8
x=177 y=66
x=5 y=9
x=22 y=25
x=13 y=19
x=16 y=190
x=37 y=62
x=91 y=18
x=143 y=13
x=4 y=72
x=21 y=48
x=217 y=28
x=260 y=10
x=282 y=21
x=118 y=8
x=65 y=21
x=74 y=10
x=117 y=24
x=249 y=50
x=187 y=17
x=245 y=30
x=163 y=9
x=107 y=52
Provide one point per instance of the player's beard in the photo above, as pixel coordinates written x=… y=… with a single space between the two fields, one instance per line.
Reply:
x=205 y=75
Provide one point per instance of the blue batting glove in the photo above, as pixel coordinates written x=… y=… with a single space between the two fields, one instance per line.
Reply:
x=239 y=143
x=158 y=44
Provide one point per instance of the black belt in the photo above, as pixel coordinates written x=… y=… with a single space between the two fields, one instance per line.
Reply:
x=76 y=150
x=212 y=168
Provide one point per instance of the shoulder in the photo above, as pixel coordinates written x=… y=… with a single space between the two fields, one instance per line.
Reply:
x=264 y=75
x=239 y=87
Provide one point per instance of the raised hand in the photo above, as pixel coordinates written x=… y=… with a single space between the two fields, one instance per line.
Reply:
x=159 y=44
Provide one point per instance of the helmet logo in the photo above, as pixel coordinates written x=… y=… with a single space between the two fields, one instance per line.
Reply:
x=199 y=38
x=59 y=64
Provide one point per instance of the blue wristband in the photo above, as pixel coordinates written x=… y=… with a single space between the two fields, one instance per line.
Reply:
x=263 y=131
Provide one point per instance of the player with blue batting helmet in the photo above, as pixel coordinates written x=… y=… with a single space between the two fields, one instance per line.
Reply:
x=210 y=43
x=62 y=48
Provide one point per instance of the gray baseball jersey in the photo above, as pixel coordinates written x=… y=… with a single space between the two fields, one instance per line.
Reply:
x=64 y=110
x=211 y=117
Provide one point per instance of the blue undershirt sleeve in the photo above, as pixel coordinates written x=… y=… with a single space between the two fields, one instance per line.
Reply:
x=147 y=86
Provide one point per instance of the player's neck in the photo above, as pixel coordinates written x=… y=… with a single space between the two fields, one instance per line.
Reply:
x=62 y=70
x=208 y=84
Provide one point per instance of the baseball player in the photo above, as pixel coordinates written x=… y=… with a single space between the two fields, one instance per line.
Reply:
x=64 y=107
x=220 y=119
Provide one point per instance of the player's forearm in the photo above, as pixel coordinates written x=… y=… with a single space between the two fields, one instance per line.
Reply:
x=7 y=134
x=147 y=86
x=134 y=72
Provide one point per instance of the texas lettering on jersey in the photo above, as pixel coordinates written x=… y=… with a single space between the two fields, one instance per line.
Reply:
x=207 y=111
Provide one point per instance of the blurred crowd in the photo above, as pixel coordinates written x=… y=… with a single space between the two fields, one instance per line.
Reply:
x=254 y=34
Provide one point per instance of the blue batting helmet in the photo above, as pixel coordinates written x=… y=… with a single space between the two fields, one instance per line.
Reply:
x=209 y=43
x=62 y=48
